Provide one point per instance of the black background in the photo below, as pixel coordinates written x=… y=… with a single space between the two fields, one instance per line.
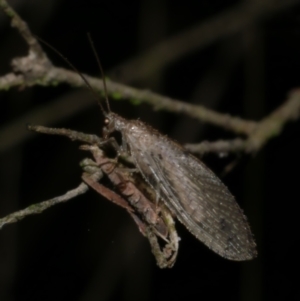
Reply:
x=89 y=249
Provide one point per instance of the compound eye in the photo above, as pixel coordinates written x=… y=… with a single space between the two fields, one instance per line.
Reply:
x=106 y=121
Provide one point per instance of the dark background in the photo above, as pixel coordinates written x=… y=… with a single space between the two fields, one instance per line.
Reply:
x=89 y=249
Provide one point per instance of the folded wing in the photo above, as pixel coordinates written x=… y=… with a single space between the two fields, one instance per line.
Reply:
x=198 y=198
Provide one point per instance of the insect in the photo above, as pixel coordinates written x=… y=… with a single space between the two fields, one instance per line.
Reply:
x=189 y=189
x=192 y=192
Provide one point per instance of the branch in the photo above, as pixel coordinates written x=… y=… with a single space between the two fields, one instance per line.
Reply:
x=40 y=207
x=272 y=125
x=51 y=76
x=73 y=135
x=268 y=128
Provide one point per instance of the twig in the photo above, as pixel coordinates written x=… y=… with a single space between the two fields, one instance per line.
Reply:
x=53 y=76
x=272 y=125
x=40 y=207
x=73 y=135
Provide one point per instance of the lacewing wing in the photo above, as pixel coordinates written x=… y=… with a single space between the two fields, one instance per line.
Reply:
x=191 y=191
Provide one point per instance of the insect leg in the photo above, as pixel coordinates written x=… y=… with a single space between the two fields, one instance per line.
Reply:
x=89 y=177
x=112 y=142
x=171 y=248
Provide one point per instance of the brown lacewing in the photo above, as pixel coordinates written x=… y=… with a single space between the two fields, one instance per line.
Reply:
x=191 y=191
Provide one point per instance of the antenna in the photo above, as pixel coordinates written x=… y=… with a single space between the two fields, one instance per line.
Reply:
x=101 y=70
x=95 y=95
